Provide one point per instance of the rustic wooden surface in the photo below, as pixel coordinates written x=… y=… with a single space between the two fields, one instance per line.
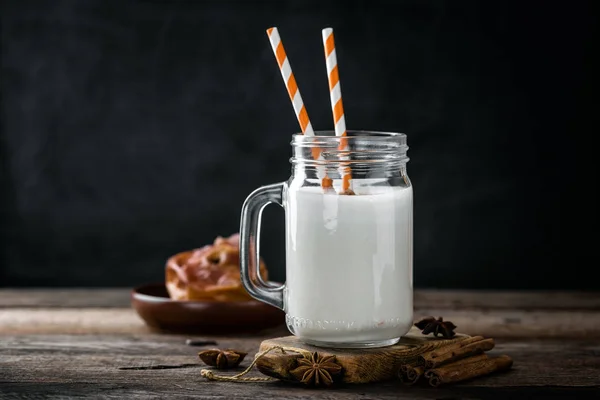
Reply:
x=89 y=343
x=360 y=365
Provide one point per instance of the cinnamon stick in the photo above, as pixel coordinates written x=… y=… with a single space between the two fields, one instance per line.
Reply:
x=455 y=351
x=410 y=374
x=422 y=359
x=467 y=368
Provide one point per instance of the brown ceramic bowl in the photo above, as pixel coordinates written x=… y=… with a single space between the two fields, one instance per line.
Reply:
x=153 y=305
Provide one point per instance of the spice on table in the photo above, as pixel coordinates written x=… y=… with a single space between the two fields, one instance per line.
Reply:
x=437 y=326
x=455 y=351
x=410 y=374
x=454 y=361
x=222 y=359
x=316 y=370
x=467 y=368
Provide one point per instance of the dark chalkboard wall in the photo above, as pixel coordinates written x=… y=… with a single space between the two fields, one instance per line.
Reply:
x=132 y=130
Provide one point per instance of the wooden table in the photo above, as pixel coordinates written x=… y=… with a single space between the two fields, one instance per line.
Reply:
x=90 y=343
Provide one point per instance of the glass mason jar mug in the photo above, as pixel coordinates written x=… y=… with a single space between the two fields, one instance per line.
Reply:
x=348 y=256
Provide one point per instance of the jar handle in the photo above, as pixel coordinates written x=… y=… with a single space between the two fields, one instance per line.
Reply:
x=249 y=251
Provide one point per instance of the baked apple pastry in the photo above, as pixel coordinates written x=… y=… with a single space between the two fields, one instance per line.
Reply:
x=210 y=273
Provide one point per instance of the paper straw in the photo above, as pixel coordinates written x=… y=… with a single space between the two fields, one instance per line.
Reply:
x=295 y=97
x=290 y=81
x=335 y=94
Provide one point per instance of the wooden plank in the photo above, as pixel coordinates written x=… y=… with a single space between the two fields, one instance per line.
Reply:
x=78 y=321
x=490 y=323
x=535 y=324
x=51 y=348
x=161 y=346
x=57 y=321
x=189 y=390
x=54 y=362
x=424 y=299
x=65 y=298
x=506 y=300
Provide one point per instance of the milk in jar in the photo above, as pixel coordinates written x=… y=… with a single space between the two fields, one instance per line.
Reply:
x=349 y=264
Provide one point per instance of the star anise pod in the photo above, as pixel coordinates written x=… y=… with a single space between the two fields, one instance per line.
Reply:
x=437 y=326
x=316 y=370
x=222 y=359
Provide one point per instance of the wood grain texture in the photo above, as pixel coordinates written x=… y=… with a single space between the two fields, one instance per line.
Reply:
x=53 y=365
x=70 y=346
x=492 y=323
x=423 y=299
x=491 y=314
x=144 y=389
x=359 y=365
x=65 y=298
x=508 y=300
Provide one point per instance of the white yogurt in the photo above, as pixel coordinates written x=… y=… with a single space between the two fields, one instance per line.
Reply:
x=349 y=265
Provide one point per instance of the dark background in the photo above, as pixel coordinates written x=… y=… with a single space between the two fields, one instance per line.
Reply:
x=132 y=130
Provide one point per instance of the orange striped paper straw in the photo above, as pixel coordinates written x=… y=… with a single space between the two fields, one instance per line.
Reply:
x=295 y=97
x=335 y=94
x=290 y=81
